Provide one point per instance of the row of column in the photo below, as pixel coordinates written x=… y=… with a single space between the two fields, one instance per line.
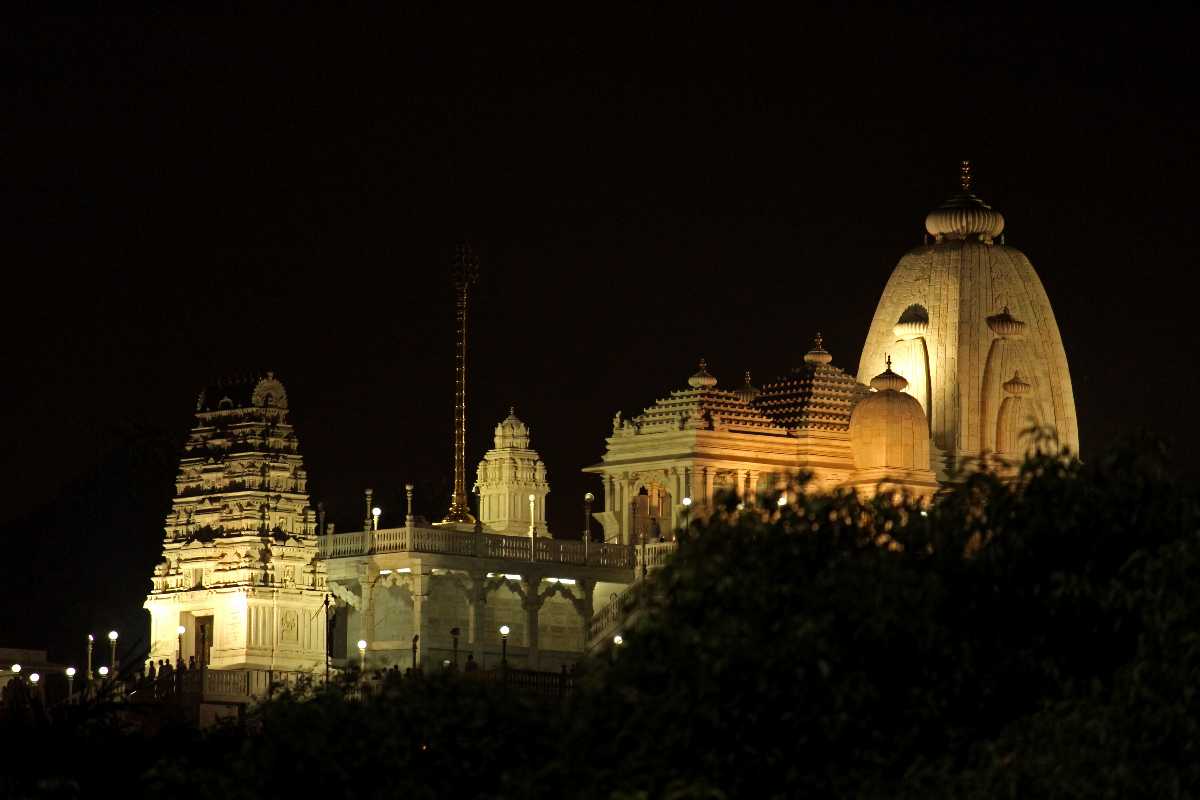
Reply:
x=695 y=482
x=477 y=589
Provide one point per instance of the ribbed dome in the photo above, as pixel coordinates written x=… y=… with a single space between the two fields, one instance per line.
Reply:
x=888 y=429
x=1017 y=385
x=964 y=215
x=702 y=379
x=1005 y=324
x=889 y=380
x=818 y=355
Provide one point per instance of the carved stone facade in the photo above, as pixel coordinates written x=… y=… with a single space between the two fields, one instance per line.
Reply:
x=239 y=569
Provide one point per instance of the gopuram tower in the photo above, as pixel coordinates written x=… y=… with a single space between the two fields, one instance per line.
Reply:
x=239 y=572
x=966 y=321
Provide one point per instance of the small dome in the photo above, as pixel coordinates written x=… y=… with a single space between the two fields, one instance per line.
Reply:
x=702 y=379
x=818 y=355
x=888 y=380
x=964 y=215
x=512 y=432
x=747 y=392
x=888 y=429
x=1005 y=324
x=1017 y=385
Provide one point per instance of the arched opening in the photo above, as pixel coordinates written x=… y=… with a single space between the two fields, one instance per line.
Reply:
x=650 y=512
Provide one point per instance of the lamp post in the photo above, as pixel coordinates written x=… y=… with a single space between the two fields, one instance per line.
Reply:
x=504 y=631
x=70 y=683
x=587 y=523
x=112 y=639
x=34 y=678
x=532 y=531
x=687 y=507
x=16 y=668
x=362 y=658
x=180 y=630
x=91 y=642
x=454 y=633
x=375 y=512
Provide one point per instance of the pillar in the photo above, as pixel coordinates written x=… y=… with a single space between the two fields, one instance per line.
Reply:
x=478 y=624
x=531 y=603
x=586 y=607
x=420 y=590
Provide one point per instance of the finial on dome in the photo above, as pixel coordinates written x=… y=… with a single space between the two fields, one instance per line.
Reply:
x=702 y=379
x=1005 y=324
x=888 y=380
x=818 y=355
x=964 y=216
x=964 y=175
x=512 y=411
x=748 y=391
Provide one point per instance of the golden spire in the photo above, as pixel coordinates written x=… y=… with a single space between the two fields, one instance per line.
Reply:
x=964 y=176
x=466 y=272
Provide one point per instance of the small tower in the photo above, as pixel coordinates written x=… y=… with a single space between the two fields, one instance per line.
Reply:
x=508 y=474
x=239 y=570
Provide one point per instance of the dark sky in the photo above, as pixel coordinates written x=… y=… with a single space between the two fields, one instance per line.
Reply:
x=190 y=197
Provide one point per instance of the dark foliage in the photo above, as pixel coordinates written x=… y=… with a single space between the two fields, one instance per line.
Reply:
x=1038 y=637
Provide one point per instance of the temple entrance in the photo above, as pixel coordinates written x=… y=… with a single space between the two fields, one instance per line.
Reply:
x=202 y=643
x=651 y=515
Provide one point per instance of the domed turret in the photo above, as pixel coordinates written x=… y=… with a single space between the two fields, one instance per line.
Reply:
x=888 y=429
x=1005 y=324
x=747 y=391
x=512 y=432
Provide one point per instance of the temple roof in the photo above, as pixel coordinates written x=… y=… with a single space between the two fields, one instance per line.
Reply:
x=813 y=396
x=247 y=391
x=703 y=406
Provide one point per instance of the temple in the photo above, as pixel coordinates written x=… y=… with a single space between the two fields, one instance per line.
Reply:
x=962 y=360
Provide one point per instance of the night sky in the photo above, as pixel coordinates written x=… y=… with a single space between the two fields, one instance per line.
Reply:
x=186 y=198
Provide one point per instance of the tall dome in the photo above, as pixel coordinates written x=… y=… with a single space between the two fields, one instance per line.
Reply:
x=888 y=428
x=959 y=317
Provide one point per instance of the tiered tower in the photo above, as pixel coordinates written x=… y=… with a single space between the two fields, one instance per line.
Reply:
x=508 y=474
x=970 y=326
x=239 y=570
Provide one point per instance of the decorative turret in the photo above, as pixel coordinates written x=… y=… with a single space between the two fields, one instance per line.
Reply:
x=818 y=354
x=748 y=392
x=1005 y=324
x=508 y=474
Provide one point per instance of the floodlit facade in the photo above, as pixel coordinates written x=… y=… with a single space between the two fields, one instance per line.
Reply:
x=239 y=571
x=962 y=358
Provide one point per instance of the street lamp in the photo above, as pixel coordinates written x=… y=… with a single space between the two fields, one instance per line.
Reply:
x=91 y=642
x=103 y=672
x=618 y=640
x=375 y=512
x=362 y=656
x=504 y=631
x=16 y=668
x=70 y=682
x=587 y=523
x=180 y=631
x=687 y=507
x=112 y=638
x=782 y=501
x=34 y=678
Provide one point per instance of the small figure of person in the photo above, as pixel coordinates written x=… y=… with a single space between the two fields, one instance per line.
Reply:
x=470 y=666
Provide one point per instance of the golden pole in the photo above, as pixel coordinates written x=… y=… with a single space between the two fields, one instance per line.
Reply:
x=466 y=272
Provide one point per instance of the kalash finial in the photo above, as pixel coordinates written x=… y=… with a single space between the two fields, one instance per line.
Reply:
x=964 y=176
x=818 y=355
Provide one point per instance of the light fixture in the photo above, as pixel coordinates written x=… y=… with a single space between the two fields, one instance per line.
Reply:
x=16 y=668
x=362 y=644
x=404 y=570
x=617 y=640
x=34 y=677
x=385 y=572
x=741 y=507
x=505 y=630
x=376 y=511
x=924 y=513
x=181 y=630
x=687 y=501
x=70 y=672
x=589 y=497
x=112 y=636
x=91 y=638
x=782 y=500
x=103 y=672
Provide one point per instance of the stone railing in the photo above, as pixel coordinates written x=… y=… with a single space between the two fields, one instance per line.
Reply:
x=445 y=541
x=606 y=620
x=656 y=555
